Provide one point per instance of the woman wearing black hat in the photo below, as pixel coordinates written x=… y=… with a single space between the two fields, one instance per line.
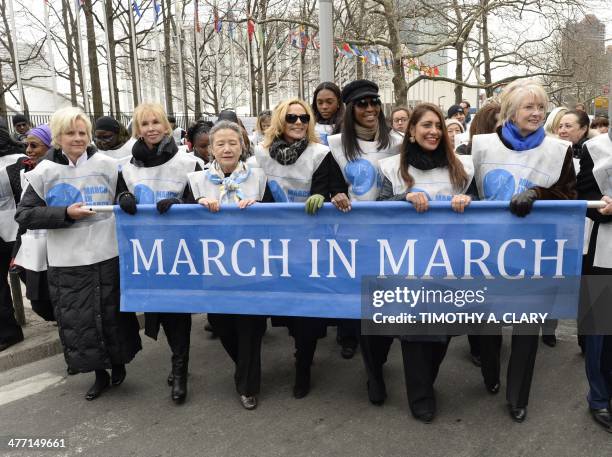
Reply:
x=365 y=139
x=112 y=138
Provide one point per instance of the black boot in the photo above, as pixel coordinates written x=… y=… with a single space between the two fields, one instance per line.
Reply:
x=100 y=385
x=118 y=374
x=302 y=381
x=179 y=379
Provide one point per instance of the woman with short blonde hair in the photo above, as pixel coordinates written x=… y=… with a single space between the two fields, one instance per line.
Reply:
x=278 y=122
x=516 y=93
x=64 y=119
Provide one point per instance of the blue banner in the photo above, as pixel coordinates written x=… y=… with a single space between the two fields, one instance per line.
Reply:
x=273 y=259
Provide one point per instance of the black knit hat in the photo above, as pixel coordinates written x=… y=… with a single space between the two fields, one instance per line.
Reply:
x=107 y=123
x=19 y=118
x=227 y=115
x=359 y=89
x=455 y=109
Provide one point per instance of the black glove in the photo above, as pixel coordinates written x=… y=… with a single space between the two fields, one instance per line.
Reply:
x=522 y=203
x=165 y=204
x=127 y=202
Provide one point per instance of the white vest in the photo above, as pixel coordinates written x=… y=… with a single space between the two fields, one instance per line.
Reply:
x=323 y=131
x=120 y=153
x=501 y=172
x=363 y=175
x=152 y=184
x=8 y=226
x=436 y=183
x=89 y=240
x=253 y=188
x=600 y=150
x=291 y=183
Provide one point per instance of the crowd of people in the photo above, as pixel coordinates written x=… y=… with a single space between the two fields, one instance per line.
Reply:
x=339 y=149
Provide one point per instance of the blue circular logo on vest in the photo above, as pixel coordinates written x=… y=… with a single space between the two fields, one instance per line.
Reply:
x=361 y=174
x=144 y=195
x=277 y=192
x=63 y=195
x=498 y=184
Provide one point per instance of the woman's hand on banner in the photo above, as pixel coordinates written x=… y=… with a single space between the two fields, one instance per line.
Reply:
x=77 y=212
x=419 y=201
x=341 y=202
x=210 y=203
x=460 y=202
x=522 y=203
x=314 y=204
x=606 y=210
x=127 y=202
x=246 y=202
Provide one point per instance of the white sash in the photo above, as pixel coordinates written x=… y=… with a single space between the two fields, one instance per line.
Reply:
x=8 y=226
x=291 y=183
x=363 y=174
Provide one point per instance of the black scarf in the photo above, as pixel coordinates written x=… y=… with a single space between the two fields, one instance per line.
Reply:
x=577 y=148
x=285 y=153
x=425 y=160
x=158 y=155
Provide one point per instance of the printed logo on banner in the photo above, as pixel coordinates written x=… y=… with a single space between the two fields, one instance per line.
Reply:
x=63 y=194
x=498 y=185
x=277 y=192
x=361 y=174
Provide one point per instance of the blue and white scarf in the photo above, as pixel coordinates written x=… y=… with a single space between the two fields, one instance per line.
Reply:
x=230 y=191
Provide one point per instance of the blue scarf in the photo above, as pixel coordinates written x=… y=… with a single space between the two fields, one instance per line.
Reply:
x=230 y=186
x=522 y=143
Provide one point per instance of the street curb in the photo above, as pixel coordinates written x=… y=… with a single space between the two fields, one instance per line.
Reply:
x=49 y=346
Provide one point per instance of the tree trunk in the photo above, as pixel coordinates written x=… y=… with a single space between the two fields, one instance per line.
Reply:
x=459 y=71
x=485 y=50
x=253 y=82
x=167 y=57
x=197 y=105
x=400 y=86
x=2 y=97
x=133 y=58
x=74 y=36
x=112 y=55
x=94 y=75
x=67 y=22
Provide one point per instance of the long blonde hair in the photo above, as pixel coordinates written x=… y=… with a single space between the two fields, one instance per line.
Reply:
x=149 y=108
x=277 y=123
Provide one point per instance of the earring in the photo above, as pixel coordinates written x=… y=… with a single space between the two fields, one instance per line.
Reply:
x=411 y=139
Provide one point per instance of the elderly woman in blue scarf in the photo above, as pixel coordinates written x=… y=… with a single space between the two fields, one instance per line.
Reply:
x=519 y=163
x=229 y=180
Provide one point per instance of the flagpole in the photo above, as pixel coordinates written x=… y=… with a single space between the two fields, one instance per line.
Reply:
x=83 y=65
x=162 y=80
x=111 y=86
x=231 y=26
x=179 y=45
x=262 y=56
x=16 y=56
x=248 y=47
x=136 y=74
x=196 y=31
x=50 y=52
x=277 y=65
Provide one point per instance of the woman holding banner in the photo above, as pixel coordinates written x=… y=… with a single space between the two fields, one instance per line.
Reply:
x=365 y=139
x=593 y=184
x=298 y=166
x=519 y=163
x=83 y=271
x=229 y=180
x=426 y=169
x=157 y=174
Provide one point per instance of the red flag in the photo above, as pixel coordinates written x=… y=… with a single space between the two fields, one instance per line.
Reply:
x=196 y=17
x=250 y=29
x=436 y=71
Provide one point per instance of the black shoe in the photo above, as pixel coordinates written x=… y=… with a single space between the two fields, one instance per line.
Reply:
x=170 y=379
x=71 y=371
x=476 y=360
x=179 y=389
x=302 y=382
x=603 y=417
x=427 y=417
x=347 y=352
x=118 y=374
x=517 y=414
x=100 y=385
x=549 y=340
x=248 y=401
x=7 y=344
x=377 y=393
x=493 y=388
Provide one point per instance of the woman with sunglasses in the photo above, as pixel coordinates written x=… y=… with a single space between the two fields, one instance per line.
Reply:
x=328 y=109
x=157 y=174
x=426 y=169
x=365 y=139
x=298 y=168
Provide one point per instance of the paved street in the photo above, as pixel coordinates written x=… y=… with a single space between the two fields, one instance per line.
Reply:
x=336 y=419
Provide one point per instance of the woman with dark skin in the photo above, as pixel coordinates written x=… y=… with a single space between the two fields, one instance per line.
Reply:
x=328 y=109
x=112 y=138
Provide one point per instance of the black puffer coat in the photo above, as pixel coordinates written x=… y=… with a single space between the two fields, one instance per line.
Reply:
x=94 y=333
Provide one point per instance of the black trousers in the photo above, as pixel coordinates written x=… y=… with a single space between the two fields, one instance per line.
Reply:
x=374 y=350
x=10 y=331
x=422 y=362
x=177 y=327
x=241 y=337
x=524 y=349
x=348 y=332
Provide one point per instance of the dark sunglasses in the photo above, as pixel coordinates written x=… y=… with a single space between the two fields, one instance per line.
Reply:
x=292 y=118
x=364 y=102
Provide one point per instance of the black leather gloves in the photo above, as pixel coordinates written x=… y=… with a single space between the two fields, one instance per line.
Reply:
x=165 y=204
x=522 y=203
x=127 y=202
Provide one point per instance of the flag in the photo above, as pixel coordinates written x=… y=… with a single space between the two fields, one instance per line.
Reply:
x=136 y=8
x=217 y=20
x=347 y=50
x=196 y=16
x=250 y=28
x=157 y=8
x=304 y=38
x=355 y=50
x=436 y=71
